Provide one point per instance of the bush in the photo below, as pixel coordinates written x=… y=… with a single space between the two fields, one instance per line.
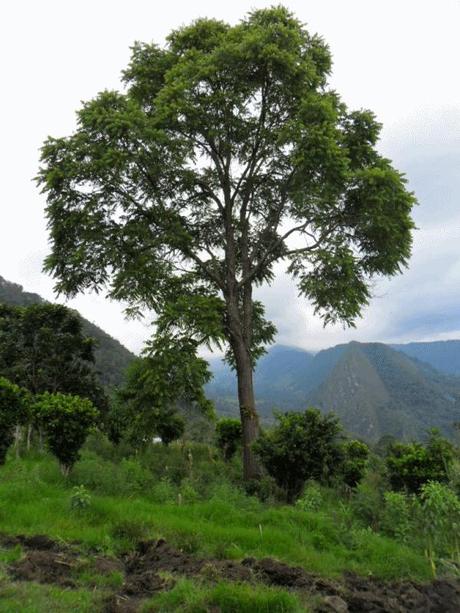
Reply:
x=412 y=465
x=13 y=407
x=302 y=446
x=440 y=510
x=80 y=498
x=355 y=462
x=170 y=426
x=397 y=519
x=311 y=499
x=228 y=436
x=66 y=421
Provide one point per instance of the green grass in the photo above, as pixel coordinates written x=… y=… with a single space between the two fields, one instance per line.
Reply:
x=22 y=597
x=190 y=597
x=35 y=499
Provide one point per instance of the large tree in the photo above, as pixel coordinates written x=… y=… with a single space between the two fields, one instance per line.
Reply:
x=225 y=153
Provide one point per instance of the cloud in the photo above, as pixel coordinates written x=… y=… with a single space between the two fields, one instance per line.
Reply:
x=422 y=303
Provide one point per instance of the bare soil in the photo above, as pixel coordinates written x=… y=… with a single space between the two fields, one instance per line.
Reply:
x=47 y=561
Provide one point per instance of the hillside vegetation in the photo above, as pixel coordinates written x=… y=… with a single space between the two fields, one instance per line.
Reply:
x=207 y=525
x=375 y=390
x=112 y=358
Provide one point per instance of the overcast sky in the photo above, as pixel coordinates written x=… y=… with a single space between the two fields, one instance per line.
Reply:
x=398 y=58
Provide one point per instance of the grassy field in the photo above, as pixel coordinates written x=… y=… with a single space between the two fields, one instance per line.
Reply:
x=132 y=501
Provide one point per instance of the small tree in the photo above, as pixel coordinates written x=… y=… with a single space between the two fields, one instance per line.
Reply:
x=228 y=436
x=412 y=465
x=302 y=446
x=146 y=405
x=354 y=462
x=66 y=421
x=13 y=407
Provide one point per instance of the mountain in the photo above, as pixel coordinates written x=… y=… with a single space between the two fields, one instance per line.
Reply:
x=277 y=380
x=373 y=388
x=376 y=390
x=112 y=358
x=442 y=355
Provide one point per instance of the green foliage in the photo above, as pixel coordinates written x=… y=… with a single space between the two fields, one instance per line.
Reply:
x=228 y=436
x=398 y=516
x=224 y=523
x=80 y=498
x=66 y=421
x=440 y=521
x=311 y=499
x=146 y=405
x=111 y=357
x=412 y=465
x=354 y=462
x=43 y=349
x=301 y=446
x=14 y=404
x=226 y=149
x=170 y=427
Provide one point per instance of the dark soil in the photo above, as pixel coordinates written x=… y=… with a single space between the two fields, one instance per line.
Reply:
x=49 y=562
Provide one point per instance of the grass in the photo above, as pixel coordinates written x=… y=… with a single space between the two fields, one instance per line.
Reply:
x=35 y=499
x=190 y=597
x=35 y=598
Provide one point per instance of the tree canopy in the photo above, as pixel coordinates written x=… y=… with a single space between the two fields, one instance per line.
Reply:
x=43 y=349
x=225 y=153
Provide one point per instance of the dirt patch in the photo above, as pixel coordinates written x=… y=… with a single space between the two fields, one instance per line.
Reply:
x=39 y=542
x=144 y=571
x=45 y=567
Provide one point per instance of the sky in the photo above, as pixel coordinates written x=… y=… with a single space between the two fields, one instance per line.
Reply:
x=399 y=59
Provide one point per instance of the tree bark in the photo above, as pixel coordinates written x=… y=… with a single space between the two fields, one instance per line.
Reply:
x=249 y=418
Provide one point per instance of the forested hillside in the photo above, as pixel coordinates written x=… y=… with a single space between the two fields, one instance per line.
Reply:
x=373 y=388
x=112 y=358
x=442 y=355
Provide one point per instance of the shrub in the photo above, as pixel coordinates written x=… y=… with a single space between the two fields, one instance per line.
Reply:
x=80 y=498
x=367 y=504
x=228 y=436
x=311 y=499
x=397 y=519
x=170 y=426
x=13 y=406
x=412 y=465
x=302 y=446
x=354 y=462
x=440 y=510
x=66 y=421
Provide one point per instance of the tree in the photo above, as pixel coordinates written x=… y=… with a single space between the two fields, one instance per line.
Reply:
x=13 y=408
x=354 y=462
x=147 y=404
x=301 y=446
x=412 y=465
x=226 y=153
x=43 y=349
x=228 y=433
x=170 y=427
x=66 y=421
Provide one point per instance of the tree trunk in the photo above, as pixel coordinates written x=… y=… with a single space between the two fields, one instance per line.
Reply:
x=248 y=413
x=17 y=439
x=29 y=436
